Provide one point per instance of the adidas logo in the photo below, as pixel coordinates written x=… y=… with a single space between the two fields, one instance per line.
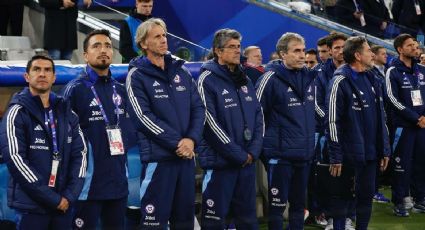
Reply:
x=156 y=84
x=93 y=103
x=38 y=128
x=361 y=93
x=224 y=92
x=354 y=96
x=289 y=89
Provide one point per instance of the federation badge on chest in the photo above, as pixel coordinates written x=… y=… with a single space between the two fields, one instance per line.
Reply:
x=177 y=79
x=244 y=89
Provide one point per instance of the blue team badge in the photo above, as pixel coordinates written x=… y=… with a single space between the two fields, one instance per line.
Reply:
x=150 y=208
x=244 y=89
x=177 y=79
x=116 y=98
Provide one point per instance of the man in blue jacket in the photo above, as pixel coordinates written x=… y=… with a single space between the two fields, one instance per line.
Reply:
x=45 y=152
x=287 y=93
x=356 y=133
x=169 y=117
x=406 y=90
x=233 y=136
x=100 y=103
x=335 y=43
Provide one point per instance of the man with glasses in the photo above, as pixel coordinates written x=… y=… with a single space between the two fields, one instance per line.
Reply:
x=232 y=137
x=128 y=46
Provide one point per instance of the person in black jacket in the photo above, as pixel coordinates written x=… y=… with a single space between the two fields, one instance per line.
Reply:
x=370 y=16
x=60 y=27
x=410 y=15
x=45 y=152
x=128 y=46
x=11 y=12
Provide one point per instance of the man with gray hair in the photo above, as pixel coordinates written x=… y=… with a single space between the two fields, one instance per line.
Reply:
x=233 y=137
x=287 y=93
x=168 y=115
x=356 y=133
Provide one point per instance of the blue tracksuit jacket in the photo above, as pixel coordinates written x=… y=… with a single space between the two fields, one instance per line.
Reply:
x=324 y=75
x=347 y=111
x=165 y=107
x=229 y=109
x=400 y=81
x=106 y=174
x=26 y=144
x=288 y=113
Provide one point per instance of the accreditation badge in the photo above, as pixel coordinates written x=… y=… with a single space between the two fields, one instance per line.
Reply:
x=416 y=97
x=53 y=173
x=116 y=145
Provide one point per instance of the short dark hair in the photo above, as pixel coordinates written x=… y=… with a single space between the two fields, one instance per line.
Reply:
x=375 y=48
x=311 y=51
x=322 y=41
x=351 y=47
x=335 y=36
x=91 y=34
x=400 y=39
x=38 y=57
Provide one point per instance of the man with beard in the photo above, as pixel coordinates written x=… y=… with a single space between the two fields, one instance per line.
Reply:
x=169 y=116
x=100 y=102
x=406 y=91
x=44 y=149
x=356 y=134
x=128 y=46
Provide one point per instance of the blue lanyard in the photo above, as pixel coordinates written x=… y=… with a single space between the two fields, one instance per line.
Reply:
x=101 y=106
x=51 y=121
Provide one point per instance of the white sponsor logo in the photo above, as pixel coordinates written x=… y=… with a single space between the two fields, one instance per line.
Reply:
x=274 y=191
x=93 y=103
x=309 y=89
x=310 y=98
x=210 y=203
x=39 y=141
x=39 y=147
x=38 y=128
x=228 y=100
x=156 y=84
x=180 y=88
x=354 y=96
x=289 y=89
x=79 y=222
x=69 y=140
x=150 y=208
x=159 y=90
x=224 y=92
x=248 y=98
x=361 y=93
x=161 y=96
